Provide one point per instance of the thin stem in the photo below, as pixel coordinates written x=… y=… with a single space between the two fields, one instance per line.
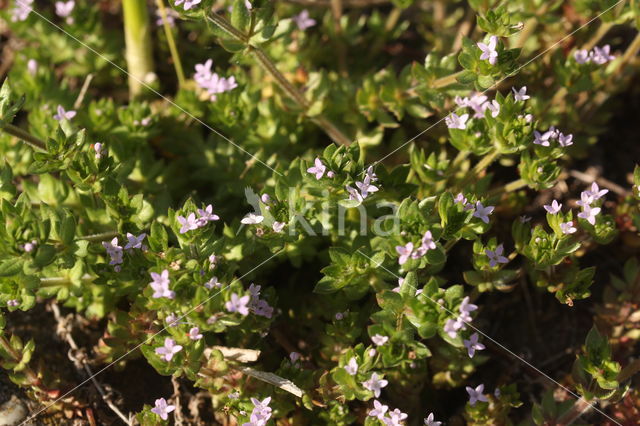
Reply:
x=177 y=63
x=510 y=187
x=631 y=51
x=60 y=281
x=629 y=371
x=530 y=26
x=100 y=237
x=580 y=407
x=138 y=45
x=478 y=168
x=446 y=81
x=31 y=375
x=25 y=136
x=603 y=29
x=324 y=123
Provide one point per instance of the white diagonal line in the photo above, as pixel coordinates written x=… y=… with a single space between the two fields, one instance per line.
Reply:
x=101 y=56
x=497 y=343
x=33 y=416
x=499 y=81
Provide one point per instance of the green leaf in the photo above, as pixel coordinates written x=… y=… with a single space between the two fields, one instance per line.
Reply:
x=11 y=267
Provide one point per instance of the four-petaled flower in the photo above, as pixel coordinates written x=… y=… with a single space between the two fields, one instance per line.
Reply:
x=483 y=212
x=542 y=138
x=169 y=349
x=476 y=394
x=430 y=421
x=553 y=208
x=520 y=95
x=595 y=192
x=466 y=308
x=494 y=107
x=134 y=242
x=496 y=257
x=238 y=304
x=601 y=55
x=565 y=140
x=206 y=215
x=455 y=121
x=567 y=227
x=354 y=194
x=472 y=345
x=278 y=226
x=194 y=333
x=160 y=285
x=395 y=418
x=213 y=283
x=64 y=115
x=379 y=340
x=375 y=384
x=589 y=213
x=452 y=326
x=12 y=303
x=252 y=219
x=114 y=251
x=404 y=252
x=489 y=50
x=188 y=224
x=378 y=410
x=64 y=9
x=318 y=169
x=352 y=366
x=163 y=409
x=303 y=21
x=188 y=4
x=365 y=187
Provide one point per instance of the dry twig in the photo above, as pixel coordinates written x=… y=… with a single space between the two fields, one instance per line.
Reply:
x=79 y=359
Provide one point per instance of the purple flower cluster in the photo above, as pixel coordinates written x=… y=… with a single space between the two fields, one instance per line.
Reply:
x=379 y=411
x=188 y=4
x=452 y=326
x=21 y=10
x=545 y=139
x=375 y=384
x=114 y=251
x=364 y=188
x=162 y=409
x=190 y=222
x=261 y=412
x=168 y=350
x=408 y=251
x=587 y=198
x=598 y=55
x=259 y=306
x=489 y=51
x=160 y=285
x=479 y=103
x=64 y=10
x=303 y=21
x=212 y=82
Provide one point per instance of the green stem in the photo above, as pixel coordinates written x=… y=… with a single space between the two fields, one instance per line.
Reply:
x=34 y=381
x=25 y=136
x=511 y=186
x=177 y=63
x=321 y=121
x=478 y=168
x=100 y=237
x=60 y=281
x=446 y=81
x=580 y=407
x=138 y=43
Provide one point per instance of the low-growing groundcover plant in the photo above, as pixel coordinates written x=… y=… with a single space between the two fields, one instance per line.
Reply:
x=321 y=212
